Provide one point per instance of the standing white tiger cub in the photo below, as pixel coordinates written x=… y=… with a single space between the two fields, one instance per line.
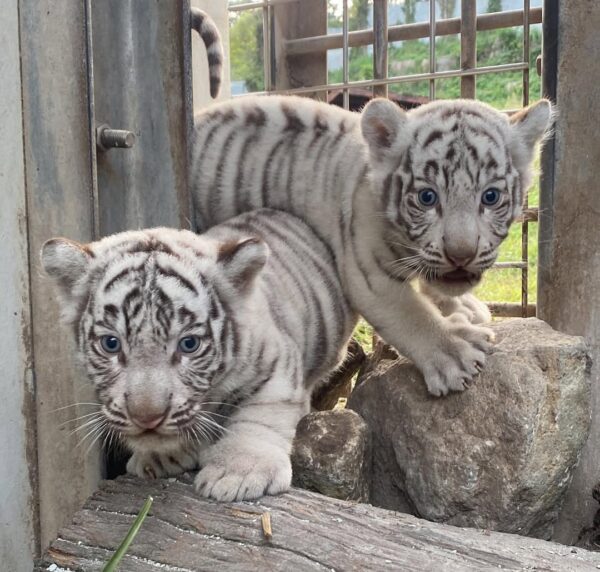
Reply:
x=204 y=349
x=429 y=194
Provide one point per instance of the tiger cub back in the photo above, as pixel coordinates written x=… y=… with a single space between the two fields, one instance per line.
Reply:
x=203 y=349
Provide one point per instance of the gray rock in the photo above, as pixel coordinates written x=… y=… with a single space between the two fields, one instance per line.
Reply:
x=499 y=455
x=332 y=455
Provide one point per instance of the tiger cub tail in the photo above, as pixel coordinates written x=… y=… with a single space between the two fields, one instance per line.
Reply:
x=208 y=31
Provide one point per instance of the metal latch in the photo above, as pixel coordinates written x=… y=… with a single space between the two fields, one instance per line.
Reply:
x=108 y=138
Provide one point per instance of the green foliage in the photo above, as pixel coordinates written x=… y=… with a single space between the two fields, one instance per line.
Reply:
x=494 y=6
x=446 y=8
x=494 y=47
x=246 y=49
x=358 y=15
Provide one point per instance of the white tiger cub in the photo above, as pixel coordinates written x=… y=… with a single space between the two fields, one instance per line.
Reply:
x=205 y=348
x=429 y=194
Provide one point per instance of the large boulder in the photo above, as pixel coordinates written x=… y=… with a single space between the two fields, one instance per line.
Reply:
x=498 y=456
x=332 y=455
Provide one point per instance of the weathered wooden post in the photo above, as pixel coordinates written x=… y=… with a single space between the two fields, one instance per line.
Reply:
x=18 y=469
x=569 y=259
x=60 y=187
x=300 y=20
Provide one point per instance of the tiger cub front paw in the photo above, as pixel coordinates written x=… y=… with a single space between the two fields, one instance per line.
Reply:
x=230 y=472
x=157 y=465
x=458 y=357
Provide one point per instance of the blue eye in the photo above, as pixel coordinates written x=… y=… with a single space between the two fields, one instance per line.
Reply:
x=110 y=344
x=490 y=197
x=189 y=344
x=428 y=197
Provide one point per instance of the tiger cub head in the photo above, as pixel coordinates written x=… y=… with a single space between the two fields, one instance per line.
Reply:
x=154 y=316
x=451 y=176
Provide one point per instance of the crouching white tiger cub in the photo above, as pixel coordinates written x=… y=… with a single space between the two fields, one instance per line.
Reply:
x=429 y=194
x=203 y=349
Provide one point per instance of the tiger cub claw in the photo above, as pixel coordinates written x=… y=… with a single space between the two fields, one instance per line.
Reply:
x=454 y=365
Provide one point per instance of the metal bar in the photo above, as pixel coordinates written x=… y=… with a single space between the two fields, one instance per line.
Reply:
x=494 y=21
x=511 y=310
x=396 y=79
x=256 y=5
x=519 y=264
x=468 y=46
x=267 y=47
x=94 y=201
x=525 y=227
x=345 y=56
x=432 y=48
x=380 y=46
x=548 y=160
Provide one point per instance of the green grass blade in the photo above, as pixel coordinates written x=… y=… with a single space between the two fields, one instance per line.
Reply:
x=112 y=564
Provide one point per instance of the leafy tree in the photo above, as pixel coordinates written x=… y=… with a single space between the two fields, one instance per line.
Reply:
x=410 y=11
x=447 y=8
x=358 y=15
x=246 y=49
x=494 y=6
x=334 y=18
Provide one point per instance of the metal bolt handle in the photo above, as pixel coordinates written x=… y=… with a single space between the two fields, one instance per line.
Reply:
x=107 y=138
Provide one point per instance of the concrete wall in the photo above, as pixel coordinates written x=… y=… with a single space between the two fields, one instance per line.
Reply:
x=569 y=264
x=18 y=526
x=217 y=9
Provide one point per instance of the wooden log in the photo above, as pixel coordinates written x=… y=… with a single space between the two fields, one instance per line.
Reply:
x=309 y=532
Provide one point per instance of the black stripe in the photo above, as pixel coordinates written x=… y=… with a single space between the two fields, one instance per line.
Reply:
x=433 y=136
x=172 y=273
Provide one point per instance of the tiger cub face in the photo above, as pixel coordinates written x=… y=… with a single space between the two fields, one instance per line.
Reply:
x=152 y=314
x=451 y=176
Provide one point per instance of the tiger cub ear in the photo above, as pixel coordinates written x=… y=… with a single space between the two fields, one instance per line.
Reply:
x=532 y=123
x=65 y=261
x=381 y=123
x=242 y=260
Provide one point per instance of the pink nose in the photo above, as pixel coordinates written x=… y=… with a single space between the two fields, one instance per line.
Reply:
x=148 y=421
x=457 y=260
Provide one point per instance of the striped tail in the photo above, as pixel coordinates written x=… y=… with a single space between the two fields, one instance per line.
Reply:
x=208 y=31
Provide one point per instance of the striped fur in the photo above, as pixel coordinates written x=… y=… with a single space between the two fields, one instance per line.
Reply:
x=208 y=31
x=357 y=179
x=261 y=295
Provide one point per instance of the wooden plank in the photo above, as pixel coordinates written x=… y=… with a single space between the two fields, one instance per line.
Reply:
x=59 y=187
x=468 y=46
x=293 y=21
x=309 y=532
x=380 y=45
